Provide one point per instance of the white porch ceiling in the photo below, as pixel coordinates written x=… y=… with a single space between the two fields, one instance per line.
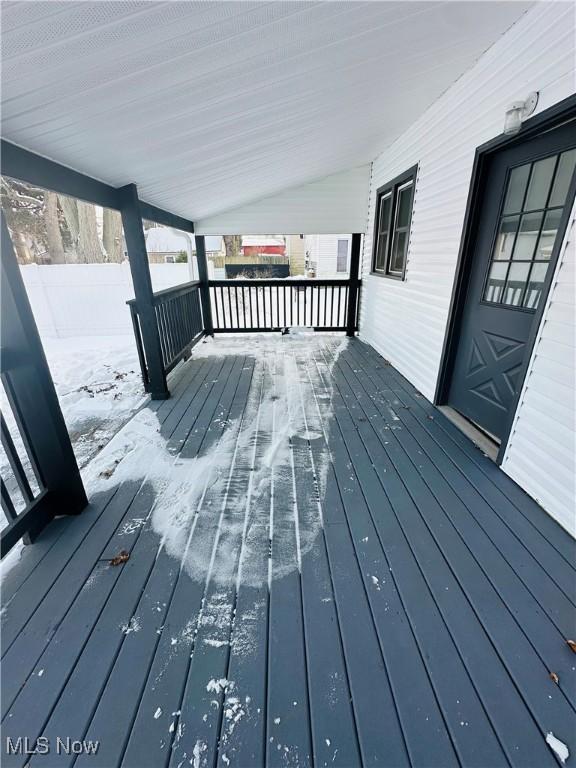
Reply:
x=208 y=106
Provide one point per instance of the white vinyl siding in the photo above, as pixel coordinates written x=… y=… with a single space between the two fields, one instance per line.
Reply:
x=336 y=203
x=406 y=321
x=540 y=453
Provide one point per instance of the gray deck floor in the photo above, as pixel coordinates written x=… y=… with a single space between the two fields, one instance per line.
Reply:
x=323 y=571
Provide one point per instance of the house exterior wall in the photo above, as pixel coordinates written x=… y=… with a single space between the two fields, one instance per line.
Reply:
x=406 y=321
x=337 y=202
x=322 y=252
x=540 y=455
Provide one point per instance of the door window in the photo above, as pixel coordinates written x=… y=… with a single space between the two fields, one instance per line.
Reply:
x=535 y=196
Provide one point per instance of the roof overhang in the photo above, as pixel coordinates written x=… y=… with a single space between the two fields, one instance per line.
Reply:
x=209 y=106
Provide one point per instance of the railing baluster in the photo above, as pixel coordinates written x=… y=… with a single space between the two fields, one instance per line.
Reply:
x=338 y=313
x=237 y=311
x=7 y=503
x=14 y=460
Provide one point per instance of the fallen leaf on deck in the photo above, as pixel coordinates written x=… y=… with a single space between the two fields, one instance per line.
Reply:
x=120 y=558
x=107 y=473
x=554 y=677
x=572 y=644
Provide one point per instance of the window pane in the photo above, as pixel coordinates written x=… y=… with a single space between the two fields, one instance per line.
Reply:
x=384 y=223
x=563 y=177
x=342 y=256
x=517 y=277
x=404 y=205
x=548 y=236
x=542 y=172
x=381 y=252
x=505 y=239
x=527 y=236
x=399 y=245
x=516 y=189
x=534 y=288
x=496 y=279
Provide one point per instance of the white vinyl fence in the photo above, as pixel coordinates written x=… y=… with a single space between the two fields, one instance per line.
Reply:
x=89 y=299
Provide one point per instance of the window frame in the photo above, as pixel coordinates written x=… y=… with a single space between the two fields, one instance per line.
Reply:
x=347 y=255
x=392 y=189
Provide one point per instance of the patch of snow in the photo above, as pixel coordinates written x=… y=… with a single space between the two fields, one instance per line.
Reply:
x=40 y=672
x=274 y=417
x=276 y=721
x=157 y=713
x=132 y=626
x=558 y=747
x=199 y=748
x=219 y=685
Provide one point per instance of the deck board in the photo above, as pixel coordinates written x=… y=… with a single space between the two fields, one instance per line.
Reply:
x=323 y=571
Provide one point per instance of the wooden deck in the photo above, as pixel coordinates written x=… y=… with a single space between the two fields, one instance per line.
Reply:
x=323 y=571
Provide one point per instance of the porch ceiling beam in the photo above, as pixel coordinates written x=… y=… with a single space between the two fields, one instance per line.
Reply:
x=20 y=163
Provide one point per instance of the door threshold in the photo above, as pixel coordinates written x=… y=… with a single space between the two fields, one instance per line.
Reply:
x=488 y=445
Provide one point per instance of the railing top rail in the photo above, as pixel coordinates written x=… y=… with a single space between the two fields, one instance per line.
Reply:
x=170 y=293
x=296 y=282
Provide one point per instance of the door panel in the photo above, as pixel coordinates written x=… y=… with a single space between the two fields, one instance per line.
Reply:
x=526 y=192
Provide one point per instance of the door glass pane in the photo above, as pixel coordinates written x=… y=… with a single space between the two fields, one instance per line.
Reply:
x=563 y=177
x=404 y=205
x=398 y=252
x=548 y=236
x=527 y=236
x=496 y=280
x=516 y=189
x=381 y=251
x=539 y=186
x=505 y=239
x=384 y=214
x=515 y=283
x=534 y=287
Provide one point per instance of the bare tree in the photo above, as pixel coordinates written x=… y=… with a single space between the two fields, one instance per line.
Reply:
x=232 y=243
x=112 y=235
x=81 y=221
x=54 y=242
x=23 y=206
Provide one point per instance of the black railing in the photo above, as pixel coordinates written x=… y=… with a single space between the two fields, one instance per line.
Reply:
x=179 y=320
x=40 y=477
x=244 y=306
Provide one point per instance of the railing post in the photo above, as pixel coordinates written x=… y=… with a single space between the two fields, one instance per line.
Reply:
x=351 y=319
x=204 y=288
x=140 y=269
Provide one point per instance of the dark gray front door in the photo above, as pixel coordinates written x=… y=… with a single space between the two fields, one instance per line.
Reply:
x=525 y=195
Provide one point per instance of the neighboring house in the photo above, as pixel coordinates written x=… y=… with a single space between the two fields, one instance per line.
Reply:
x=261 y=256
x=256 y=245
x=328 y=255
x=171 y=246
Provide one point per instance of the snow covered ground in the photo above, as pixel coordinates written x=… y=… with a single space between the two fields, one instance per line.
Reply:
x=99 y=386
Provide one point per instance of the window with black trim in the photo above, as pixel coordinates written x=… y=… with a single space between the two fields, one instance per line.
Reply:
x=392 y=225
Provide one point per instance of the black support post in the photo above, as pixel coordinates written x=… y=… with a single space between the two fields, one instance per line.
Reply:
x=351 y=319
x=140 y=269
x=204 y=288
